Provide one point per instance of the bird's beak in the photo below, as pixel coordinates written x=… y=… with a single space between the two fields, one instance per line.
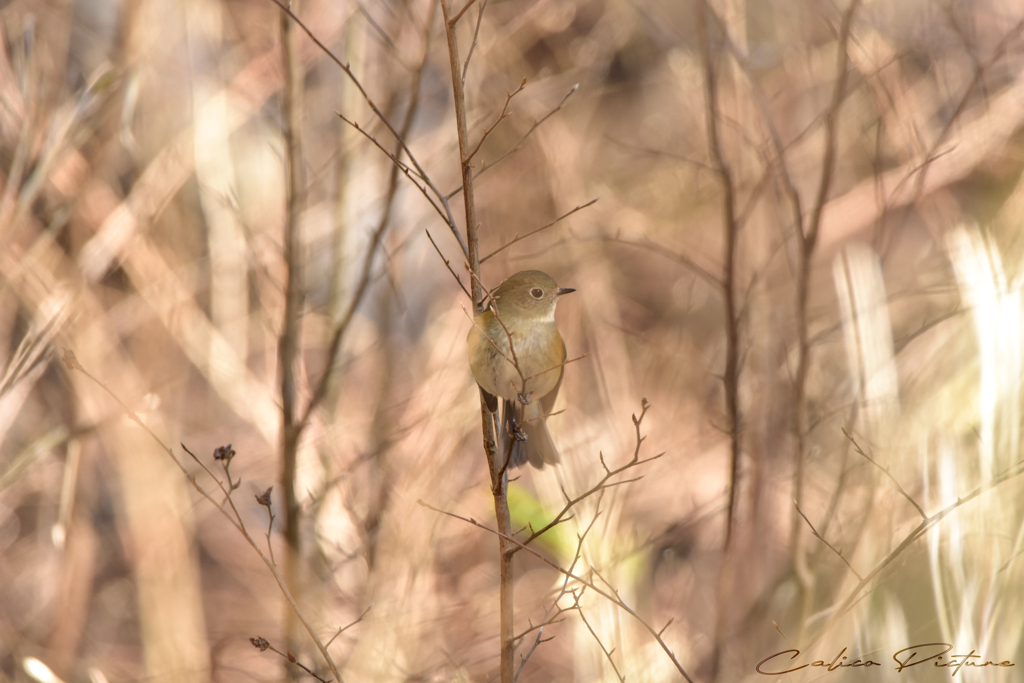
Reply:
x=565 y=290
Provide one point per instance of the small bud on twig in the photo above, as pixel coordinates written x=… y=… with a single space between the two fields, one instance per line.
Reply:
x=223 y=452
x=264 y=498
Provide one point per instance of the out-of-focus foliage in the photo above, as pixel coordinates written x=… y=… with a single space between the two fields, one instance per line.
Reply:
x=141 y=226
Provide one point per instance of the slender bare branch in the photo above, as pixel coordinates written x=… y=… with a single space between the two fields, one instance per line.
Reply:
x=822 y=539
x=350 y=624
x=885 y=470
x=476 y=36
x=496 y=469
x=320 y=392
x=517 y=237
x=447 y=264
x=550 y=618
x=731 y=375
x=458 y=15
x=404 y=168
x=450 y=220
x=921 y=529
x=682 y=259
x=515 y=148
x=501 y=117
x=603 y=483
x=71 y=362
x=808 y=239
x=610 y=596
x=262 y=644
x=606 y=651
x=290 y=339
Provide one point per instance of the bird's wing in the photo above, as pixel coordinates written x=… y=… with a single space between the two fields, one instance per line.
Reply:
x=548 y=401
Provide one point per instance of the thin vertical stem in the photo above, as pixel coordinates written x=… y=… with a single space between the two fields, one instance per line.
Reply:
x=288 y=347
x=499 y=478
x=465 y=162
x=730 y=378
x=808 y=241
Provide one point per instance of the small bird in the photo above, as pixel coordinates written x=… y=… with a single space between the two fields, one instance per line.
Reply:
x=527 y=372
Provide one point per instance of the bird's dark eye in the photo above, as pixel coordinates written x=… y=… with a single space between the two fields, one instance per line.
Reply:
x=536 y=292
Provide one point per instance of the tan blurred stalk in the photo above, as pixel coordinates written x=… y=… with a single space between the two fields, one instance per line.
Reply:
x=214 y=172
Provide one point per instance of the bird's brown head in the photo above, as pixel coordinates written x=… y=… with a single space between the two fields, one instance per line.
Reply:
x=530 y=292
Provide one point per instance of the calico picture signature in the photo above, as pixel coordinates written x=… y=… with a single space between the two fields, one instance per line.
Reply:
x=915 y=655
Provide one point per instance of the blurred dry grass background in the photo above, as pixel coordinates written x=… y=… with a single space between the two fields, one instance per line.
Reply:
x=141 y=226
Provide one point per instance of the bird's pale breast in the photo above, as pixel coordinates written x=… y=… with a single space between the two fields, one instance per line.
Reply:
x=540 y=354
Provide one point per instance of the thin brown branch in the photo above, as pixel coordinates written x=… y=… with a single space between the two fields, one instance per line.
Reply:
x=778 y=147
x=290 y=340
x=690 y=161
x=822 y=539
x=981 y=68
x=808 y=240
x=404 y=168
x=262 y=644
x=558 y=610
x=517 y=237
x=450 y=220
x=557 y=367
x=322 y=387
x=501 y=117
x=264 y=500
x=603 y=483
x=237 y=519
x=496 y=470
x=447 y=264
x=476 y=36
x=515 y=148
x=454 y=20
x=606 y=651
x=462 y=127
x=828 y=162
x=71 y=362
x=683 y=260
x=921 y=529
x=350 y=624
x=885 y=471
x=610 y=596
x=731 y=375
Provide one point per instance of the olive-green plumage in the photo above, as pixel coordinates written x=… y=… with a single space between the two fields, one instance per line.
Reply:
x=525 y=304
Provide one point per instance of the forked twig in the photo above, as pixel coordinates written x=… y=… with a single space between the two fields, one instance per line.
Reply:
x=458 y=15
x=449 y=219
x=517 y=238
x=350 y=624
x=604 y=482
x=822 y=539
x=403 y=167
x=233 y=517
x=362 y=285
x=606 y=651
x=262 y=644
x=611 y=594
x=476 y=34
x=926 y=524
x=501 y=117
x=486 y=167
x=558 y=610
x=885 y=470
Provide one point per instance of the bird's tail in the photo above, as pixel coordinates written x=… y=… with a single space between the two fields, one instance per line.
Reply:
x=538 y=448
